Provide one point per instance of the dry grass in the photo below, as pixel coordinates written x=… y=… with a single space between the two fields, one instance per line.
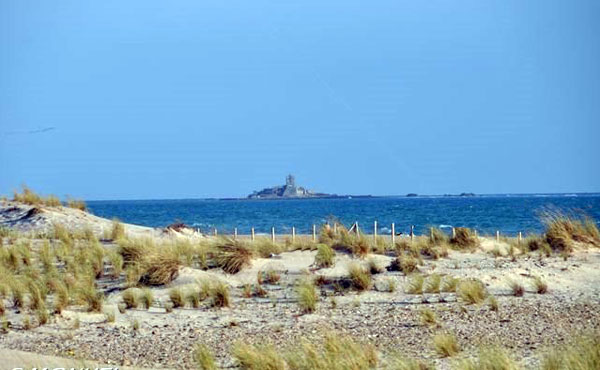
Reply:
x=204 y=358
x=307 y=296
x=360 y=277
x=325 y=256
x=232 y=255
x=92 y=298
x=177 y=297
x=374 y=267
x=77 y=204
x=118 y=230
x=516 y=287
x=428 y=317
x=563 y=230
x=159 y=269
x=406 y=264
x=446 y=344
x=493 y=303
x=432 y=283
x=472 y=291
x=415 y=284
x=29 y=197
x=146 y=298
x=263 y=357
x=539 y=285
x=464 y=238
x=581 y=354
x=219 y=294
x=399 y=362
x=489 y=358
x=449 y=284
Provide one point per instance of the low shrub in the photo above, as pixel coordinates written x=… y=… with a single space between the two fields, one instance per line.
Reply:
x=307 y=296
x=360 y=277
x=325 y=256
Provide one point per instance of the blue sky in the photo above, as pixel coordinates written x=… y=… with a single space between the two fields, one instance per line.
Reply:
x=186 y=99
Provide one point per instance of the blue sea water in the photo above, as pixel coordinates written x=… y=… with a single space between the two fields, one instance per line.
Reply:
x=507 y=213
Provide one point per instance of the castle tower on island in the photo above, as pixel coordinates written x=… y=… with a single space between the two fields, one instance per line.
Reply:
x=289 y=190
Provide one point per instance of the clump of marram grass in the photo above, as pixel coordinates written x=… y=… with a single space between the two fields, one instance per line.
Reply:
x=257 y=357
x=118 y=230
x=516 y=287
x=432 y=284
x=446 y=344
x=472 y=291
x=581 y=354
x=219 y=294
x=270 y=276
x=405 y=263
x=307 y=296
x=489 y=358
x=160 y=269
x=415 y=284
x=325 y=256
x=360 y=277
x=428 y=317
x=131 y=298
x=374 y=267
x=204 y=358
x=29 y=197
x=264 y=247
x=449 y=284
x=77 y=204
x=92 y=298
x=117 y=264
x=464 y=238
x=109 y=316
x=337 y=352
x=177 y=297
x=398 y=361
x=539 y=285
x=232 y=255
x=493 y=303
x=146 y=298
x=563 y=230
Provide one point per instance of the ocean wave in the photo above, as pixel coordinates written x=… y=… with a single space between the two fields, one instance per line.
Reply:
x=442 y=226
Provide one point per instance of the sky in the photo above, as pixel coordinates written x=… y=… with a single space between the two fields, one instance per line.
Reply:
x=193 y=99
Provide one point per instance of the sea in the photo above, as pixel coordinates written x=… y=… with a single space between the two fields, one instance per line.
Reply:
x=507 y=213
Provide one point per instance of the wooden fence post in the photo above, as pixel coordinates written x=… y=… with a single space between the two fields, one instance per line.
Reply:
x=520 y=237
x=216 y=232
x=314 y=233
x=357 y=231
x=453 y=233
x=252 y=234
x=293 y=234
x=273 y=234
x=431 y=233
x=393 y=234
x=497 y=235
x=412 y=232
x=375 y=231
x=234 y=233
x=335 y=227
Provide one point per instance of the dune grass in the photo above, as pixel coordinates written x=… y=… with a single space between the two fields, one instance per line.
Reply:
x=564 y=230
x=325 y=256
x=472 y=291
x=77 y=204
x=219 y=294
x=118 y=230
x=446 y=344
x=232 y=255
x=489 y=358
x=432 y=284
x=464 y=238
x=360 y=277
x=539 y=285
x=29 y=197
x=428 y=317
x=516 y=287
x=415 y=284
x=583 y=353
x=307 y=296
x=203 y=358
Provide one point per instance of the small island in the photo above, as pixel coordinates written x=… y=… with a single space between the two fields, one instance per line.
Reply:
x=289 y=190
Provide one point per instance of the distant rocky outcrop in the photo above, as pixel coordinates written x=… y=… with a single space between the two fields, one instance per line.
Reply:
x=289 y=190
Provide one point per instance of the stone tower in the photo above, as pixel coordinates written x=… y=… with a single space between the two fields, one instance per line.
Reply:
x=290 y=180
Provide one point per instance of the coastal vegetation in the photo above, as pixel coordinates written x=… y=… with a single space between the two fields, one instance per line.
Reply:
x=254 y=289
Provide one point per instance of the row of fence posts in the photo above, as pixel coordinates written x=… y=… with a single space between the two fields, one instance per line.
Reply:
x=356 y=229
